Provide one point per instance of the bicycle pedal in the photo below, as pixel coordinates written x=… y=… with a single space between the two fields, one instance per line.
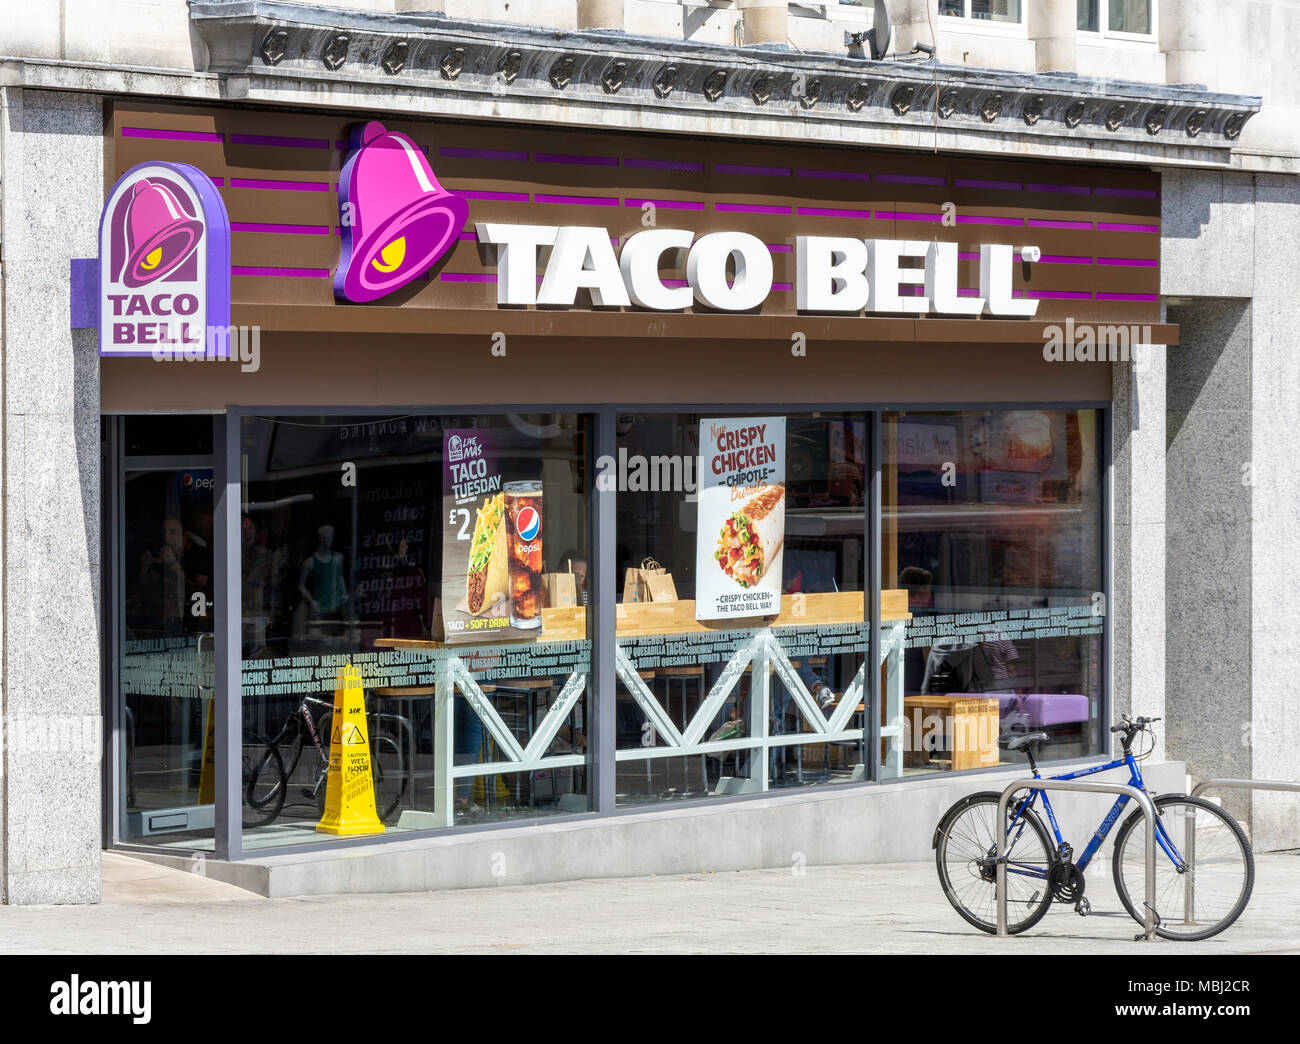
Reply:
x=1083 y=908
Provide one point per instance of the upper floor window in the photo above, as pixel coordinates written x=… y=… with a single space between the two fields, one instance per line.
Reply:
x=1004 y=11
x=1116 y=17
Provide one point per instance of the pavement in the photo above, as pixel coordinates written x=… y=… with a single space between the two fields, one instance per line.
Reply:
x=876 y=908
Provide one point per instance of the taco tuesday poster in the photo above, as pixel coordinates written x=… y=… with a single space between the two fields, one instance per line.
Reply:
x=475 y=570
x=741 y=528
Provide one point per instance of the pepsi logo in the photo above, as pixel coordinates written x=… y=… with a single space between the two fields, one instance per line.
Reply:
x=528 y=523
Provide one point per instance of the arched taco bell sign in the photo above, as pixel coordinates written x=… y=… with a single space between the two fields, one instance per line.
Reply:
x=164 y=264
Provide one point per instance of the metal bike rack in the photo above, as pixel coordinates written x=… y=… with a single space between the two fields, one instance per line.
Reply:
x=1144 y=803
x=1189 y=844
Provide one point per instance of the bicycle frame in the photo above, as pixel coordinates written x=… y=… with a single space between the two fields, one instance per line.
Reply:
x=1107 y=824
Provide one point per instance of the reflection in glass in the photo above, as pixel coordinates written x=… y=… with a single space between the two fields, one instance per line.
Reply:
x=736 y=706
x=992 y=525
x=345 y=531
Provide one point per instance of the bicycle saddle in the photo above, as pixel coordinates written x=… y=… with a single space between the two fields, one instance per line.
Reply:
x=1021 y=740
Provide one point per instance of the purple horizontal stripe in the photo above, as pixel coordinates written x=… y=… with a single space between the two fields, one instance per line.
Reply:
x=834 y=212
x=585 y=161
x=508 y=197
x=1127 y=297
x=783 y=286
x=300 y=230
x=779 y=248
x=287 y=186
x=1131 y=262
x=968 y=255
x=1069 y=190
x=467 y=277
x=490 y=154
x=963 y=292
x=1129 y=193
x=1064 y=295
x=666 y=204
x=468 y=237
x=1107 y=226
x=1008 y=186
x=217 y=181
x=835 y=175
x=900 y=215
x=298 y=273
x=910 y=179
x=674 y=284
x=1064 y=259
x=579 y=201
x=911 y=290
x=170 y=135
x=290 y=143
x=986 y=219
x=741 y=168
x=650 y=164
x=1040 y=223
x=749 y=208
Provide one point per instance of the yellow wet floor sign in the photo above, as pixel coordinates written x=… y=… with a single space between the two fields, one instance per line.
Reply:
x=350 y=788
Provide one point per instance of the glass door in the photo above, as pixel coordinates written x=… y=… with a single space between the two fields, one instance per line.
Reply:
x=165 y=566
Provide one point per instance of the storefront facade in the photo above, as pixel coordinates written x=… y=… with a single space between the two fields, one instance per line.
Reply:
x=838 y=458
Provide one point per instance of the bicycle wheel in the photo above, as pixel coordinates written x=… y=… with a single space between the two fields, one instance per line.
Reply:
x=264 y=782
x=1222 y=868
x=965 y=854
x=388 y=767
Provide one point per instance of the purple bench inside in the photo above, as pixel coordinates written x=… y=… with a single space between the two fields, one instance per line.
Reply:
x=1041 y=709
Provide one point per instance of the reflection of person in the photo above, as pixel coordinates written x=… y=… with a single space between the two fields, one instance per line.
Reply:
x=164 y=574
x=920 y=602
x=405 y=597
x=254 y=563
x=320 y=580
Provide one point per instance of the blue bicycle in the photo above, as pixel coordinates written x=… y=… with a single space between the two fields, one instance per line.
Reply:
x=1204 y=867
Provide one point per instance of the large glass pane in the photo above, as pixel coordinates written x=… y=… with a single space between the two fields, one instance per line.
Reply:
x=1089 y=15
x=1129 y=16
x=952 y=8
x=992 y=525
x=995 y=10
x=712 y=700
x=165 y=661
x=443 y=557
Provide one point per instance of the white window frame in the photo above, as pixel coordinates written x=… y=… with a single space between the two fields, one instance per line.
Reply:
x=1104 y=32
x=963 y=22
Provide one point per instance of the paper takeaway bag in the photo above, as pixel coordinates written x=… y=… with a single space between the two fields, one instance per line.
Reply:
x=561 y=589
x=651 y=583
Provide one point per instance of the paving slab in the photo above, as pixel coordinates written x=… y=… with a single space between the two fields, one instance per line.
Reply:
x=877 y=908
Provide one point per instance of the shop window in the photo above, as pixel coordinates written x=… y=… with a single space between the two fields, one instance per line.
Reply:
x=741 y=635
x=444 y=558
x=992 y=524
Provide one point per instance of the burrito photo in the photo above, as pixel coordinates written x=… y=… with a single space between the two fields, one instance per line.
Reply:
x=486 y=583
x=752 y=537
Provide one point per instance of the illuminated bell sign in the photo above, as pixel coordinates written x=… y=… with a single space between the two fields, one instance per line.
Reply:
x=832 y=274
x=164 y=262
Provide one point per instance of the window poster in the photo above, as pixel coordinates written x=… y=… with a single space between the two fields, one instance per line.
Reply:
x=491 y=543
x=741 y=533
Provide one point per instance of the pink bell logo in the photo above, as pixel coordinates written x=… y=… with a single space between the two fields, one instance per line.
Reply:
x=397 y=221
x=160 y=234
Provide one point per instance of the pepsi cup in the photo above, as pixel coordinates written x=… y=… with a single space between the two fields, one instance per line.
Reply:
x=524 y=535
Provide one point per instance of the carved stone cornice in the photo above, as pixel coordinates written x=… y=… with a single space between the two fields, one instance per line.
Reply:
x=335 y=56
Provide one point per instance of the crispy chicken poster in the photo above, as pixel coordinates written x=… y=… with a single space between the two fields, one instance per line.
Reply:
x=741 y=530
